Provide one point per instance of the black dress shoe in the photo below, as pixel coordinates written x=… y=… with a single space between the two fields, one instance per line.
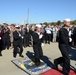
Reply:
x=21 y=56
x=48 y=42
x=0 y=54
x=56 y=65
x=66 y=74
x=14 y=56
x=7 y=48
x=37 y=64
x=24 y=46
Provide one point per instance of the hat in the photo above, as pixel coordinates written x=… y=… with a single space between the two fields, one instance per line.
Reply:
x=67 y=20
x=38 y=26
x=17 y=26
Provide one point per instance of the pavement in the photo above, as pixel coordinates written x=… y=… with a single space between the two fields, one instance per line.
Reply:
x=49 y=50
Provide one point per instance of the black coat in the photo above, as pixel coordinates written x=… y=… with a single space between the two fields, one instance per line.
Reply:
x=36 y=40
x=6 y=33
x=63 y=36
x=28 y=32
x=74 y=35
x=17 y=38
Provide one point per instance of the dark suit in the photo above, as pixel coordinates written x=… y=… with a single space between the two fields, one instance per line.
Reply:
x=17 y=43
x=74 y=36
x=6 y=38
x=64 y=48
x=23 y=34
x=27 y=37
x=37 y=47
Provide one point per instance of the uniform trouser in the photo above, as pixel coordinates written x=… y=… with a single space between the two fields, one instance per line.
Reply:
x=51 y=37
x=6 y=43
x=18 y=49
x=24 y=41
x=48 y=38
x=64 y=59
x=75 y=42
x=38 y=52
x=27 y=40
x=1 y=46
x=43 y=39
x=0 y=51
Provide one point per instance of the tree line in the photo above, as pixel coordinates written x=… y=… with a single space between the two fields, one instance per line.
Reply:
x=59 y=23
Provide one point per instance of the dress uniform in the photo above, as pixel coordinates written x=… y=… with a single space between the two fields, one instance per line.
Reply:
x=37 y=46
x=64 y=49
x=17 y=43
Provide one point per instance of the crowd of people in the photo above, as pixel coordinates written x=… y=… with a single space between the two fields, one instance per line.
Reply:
x=19 y=36
x=50 y=34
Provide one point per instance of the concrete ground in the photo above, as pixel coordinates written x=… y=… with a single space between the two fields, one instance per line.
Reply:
x=8 y=68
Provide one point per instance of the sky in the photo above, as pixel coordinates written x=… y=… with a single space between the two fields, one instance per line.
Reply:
x=40 y=11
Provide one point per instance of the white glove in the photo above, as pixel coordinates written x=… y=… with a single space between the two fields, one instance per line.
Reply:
x=19 y=35
x=40 y=36
x=70 y=33
x=0 y=38
x=70 y=39
x=22 y=37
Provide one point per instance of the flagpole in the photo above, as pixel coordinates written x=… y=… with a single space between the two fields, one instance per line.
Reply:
x=28 y=17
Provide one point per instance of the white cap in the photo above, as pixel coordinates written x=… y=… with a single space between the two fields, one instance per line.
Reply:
x=67 y=20
x=17 y=25
x=38 y=26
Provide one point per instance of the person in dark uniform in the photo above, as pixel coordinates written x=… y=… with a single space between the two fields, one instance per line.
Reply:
x=27 y=35
x=74 y=36
x=64 y=48
x=1 y=41
x=17 y=43
x=37 y=37
x=23 y=34
x=6 y=31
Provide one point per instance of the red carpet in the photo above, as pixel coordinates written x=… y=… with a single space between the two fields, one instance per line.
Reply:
x=54 y=72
